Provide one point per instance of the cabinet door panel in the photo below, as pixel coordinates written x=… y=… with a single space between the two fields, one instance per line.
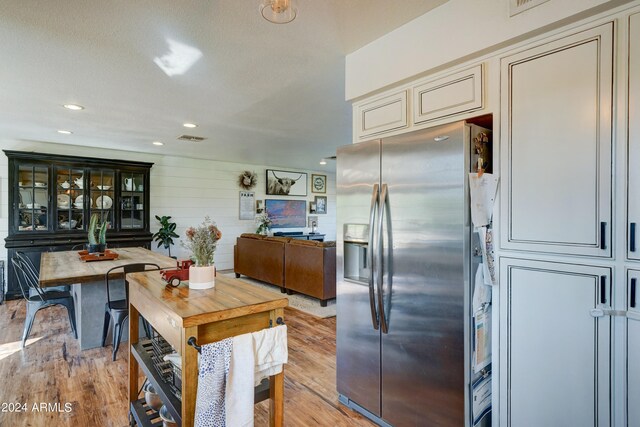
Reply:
x=454 y=94
x=557 y=123
x=381 y=115
x=556 y=360
x=633 y=349
x=634 y=137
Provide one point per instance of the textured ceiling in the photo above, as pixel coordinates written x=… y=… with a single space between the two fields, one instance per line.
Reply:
x=260 y=93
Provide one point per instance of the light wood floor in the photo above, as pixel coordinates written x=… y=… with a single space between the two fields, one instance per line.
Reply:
x=52 y=369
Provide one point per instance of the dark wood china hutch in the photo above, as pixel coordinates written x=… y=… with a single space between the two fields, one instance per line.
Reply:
x=52 y=198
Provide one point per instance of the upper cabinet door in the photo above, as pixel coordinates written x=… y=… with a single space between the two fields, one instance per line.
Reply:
x=381 y=115
x=454 y=94
x=556 y=141
x=633 y=242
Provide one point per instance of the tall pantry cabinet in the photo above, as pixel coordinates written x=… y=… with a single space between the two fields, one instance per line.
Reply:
x=633 y=250
x=556 y=224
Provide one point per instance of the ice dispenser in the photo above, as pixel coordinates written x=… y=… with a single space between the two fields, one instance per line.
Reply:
x=356 y=257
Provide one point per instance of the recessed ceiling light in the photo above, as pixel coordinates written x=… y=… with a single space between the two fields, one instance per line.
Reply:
x=190 y=125
x=323 y=162
x=65 y=132
x=157 y=143
x=74 y=107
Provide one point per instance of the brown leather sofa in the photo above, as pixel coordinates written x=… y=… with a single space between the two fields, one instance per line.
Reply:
x=307 y=267
x=260 y=257
x=310 y=268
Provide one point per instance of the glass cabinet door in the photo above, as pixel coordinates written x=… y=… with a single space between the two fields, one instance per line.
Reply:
x=132 y=201
x=102 y=194
x=33 y=198
x=69 y=199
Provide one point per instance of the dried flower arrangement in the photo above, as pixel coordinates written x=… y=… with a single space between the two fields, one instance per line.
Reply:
x=202 y=241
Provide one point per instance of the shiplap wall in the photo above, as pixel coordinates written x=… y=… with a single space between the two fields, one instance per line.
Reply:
x=186 y=189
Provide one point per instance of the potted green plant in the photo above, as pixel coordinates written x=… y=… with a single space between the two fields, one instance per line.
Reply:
x=97 y=235
x=164 y=236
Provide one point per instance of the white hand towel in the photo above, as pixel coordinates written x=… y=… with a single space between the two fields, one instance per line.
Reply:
x=214 y=369
x=239 y=403
x=271 y=352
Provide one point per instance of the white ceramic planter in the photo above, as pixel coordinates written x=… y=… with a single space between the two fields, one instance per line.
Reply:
x=202 y=277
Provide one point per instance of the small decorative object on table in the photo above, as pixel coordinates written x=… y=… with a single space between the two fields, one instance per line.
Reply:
x=202 y=242
x=97 y=235
x=264 y=223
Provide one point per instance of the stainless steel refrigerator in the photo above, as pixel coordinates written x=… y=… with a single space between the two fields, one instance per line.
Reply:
x=403 y=268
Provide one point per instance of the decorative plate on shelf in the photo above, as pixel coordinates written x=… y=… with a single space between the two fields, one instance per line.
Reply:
x=64 y=200
x=80 y=200
x=104 y=202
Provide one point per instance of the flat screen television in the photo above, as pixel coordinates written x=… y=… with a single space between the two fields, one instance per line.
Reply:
x=287 y=213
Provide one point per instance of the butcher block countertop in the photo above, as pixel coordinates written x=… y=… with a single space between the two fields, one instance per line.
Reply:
x=230 y=298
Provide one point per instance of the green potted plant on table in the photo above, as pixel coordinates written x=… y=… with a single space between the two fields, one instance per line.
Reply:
x=97 y=235
x=202 y=242
x=164 y=236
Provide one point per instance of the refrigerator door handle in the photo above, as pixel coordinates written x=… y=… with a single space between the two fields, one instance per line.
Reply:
x=384 y=207
x=375 y=198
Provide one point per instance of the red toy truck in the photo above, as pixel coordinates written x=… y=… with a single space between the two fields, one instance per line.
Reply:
x=177 y=275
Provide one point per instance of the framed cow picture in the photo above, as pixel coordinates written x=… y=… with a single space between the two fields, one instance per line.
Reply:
x=283 y=183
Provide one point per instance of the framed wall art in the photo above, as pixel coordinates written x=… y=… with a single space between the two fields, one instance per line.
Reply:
x=318 y=183
x=321 y=204
x=286 y=213
x=283 y=183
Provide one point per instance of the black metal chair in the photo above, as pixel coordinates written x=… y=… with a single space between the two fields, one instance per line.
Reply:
x=117 y=311
x=37 y=298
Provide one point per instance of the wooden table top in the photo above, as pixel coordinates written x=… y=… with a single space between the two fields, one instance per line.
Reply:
x=229 y=298
x=66 y=268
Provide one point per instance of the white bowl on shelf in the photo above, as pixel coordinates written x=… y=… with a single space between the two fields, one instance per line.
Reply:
x=40 y=184
x=103 y=187
x=33 y=206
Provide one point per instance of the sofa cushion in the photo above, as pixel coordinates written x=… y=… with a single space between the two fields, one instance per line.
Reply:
x=252 y=236
x=304 y=242
x=278 y=239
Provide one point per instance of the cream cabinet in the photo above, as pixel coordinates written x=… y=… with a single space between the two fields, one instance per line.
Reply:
x=380 y=115
x=556 y=364
x=454 y=94
x=633 y=244
x=556 y=132
x=633 y=348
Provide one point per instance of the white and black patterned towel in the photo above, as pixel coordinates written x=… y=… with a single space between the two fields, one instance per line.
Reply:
x=212 y=381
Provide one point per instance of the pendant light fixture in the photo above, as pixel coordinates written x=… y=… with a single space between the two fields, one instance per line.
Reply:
x=278 y=11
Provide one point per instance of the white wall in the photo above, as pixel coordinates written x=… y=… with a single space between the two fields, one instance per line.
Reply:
x=186 y=189
x=451 y=34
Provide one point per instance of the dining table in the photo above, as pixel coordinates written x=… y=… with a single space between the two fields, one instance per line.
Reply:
x=88 y=287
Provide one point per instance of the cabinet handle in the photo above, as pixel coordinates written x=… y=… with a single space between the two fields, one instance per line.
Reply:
x=632 y=297
x=632 y=237
x=603 y=235
x=603 y=289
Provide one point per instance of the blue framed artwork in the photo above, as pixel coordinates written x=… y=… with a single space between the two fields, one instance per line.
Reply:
x=287 y=213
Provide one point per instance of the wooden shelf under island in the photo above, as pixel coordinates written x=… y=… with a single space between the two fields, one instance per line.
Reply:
x=231 y=308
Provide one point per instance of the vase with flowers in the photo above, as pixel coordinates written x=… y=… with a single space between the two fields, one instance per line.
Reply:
x=264 y=223
x=202 y=242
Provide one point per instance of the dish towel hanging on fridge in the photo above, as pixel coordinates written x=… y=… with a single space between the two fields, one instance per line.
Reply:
x=215 y=359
